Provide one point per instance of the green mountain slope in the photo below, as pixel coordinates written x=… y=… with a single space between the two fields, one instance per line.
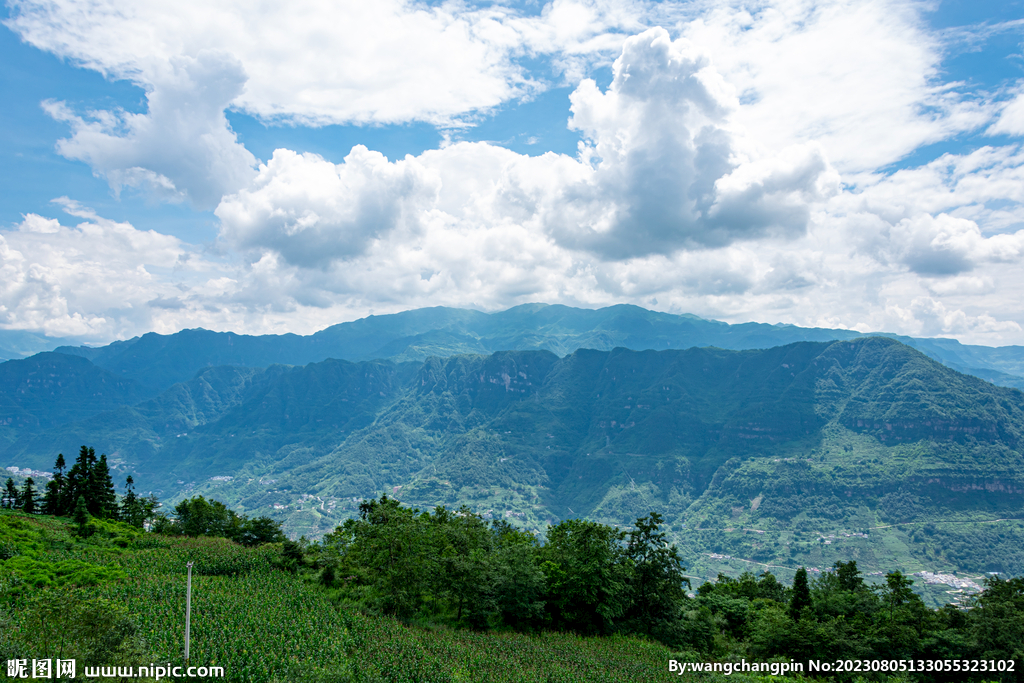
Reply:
x=52 y=389
x=788 y=455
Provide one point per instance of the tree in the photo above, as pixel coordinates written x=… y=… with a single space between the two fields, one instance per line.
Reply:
x=849 y=576
x=200 y=517
x=801 y=598
x=103 y=501
x=77 y=483
x=896 y=592
x=81 y=517
x=386 y=549
x=11 y=496
x=54 y=496
x=518 y=587
x=131 y=508
x=28 y=497
x=259 y=531
x=459 y=547
x=656 y=581
x=586 y=576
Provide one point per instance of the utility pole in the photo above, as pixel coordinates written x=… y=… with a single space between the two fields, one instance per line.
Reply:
x=188 y=609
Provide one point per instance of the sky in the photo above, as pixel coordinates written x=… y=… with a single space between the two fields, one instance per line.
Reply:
x=282 y=167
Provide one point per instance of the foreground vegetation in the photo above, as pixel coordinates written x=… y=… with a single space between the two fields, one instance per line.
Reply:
x=399 y=595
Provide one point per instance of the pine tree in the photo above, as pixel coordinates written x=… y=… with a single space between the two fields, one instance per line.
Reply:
x=78 y=480
x=95 y=485
x=11 y=497
x=103 y=487
x=801 y=594
x=81 y=516
x=131 y=507
x=28 y=497
x=53 y=498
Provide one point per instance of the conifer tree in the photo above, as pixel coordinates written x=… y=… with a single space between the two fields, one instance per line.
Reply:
x=53 y=498
x=105 y=497
x=801 y=594
x=77 y=483
x=94 y=486
x=28 y=497
x=81 y=516
x=11 y=497
x=131 y=507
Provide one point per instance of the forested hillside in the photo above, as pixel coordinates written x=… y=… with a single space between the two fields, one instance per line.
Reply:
x=801 y=454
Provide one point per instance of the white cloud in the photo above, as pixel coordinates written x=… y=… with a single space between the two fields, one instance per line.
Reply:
x=1011 y=117
x=182 y=147
x=705 y=184
x=661 y=173
x=944 y=245
x=92 y=280
x=861 y=78
x=313 y=212
x=308 y=61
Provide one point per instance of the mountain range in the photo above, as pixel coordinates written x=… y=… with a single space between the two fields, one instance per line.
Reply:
x=157 y=361
x=761 y=445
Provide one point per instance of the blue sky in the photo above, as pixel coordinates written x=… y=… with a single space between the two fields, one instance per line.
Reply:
x=845 y=164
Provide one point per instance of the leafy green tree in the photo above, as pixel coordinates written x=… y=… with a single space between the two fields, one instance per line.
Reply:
x=459 y=563
x=384 y=556
x=849 y=576
x=896 y=592
x=587 y=577
x=259 y=531
x=198 y=516
x=996 y=620
x=519 y=583
x=901 y=618
x=801 y=598
x=28 y=497
x=656 y=580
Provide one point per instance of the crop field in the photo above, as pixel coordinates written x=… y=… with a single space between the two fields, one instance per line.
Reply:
x=263 y=624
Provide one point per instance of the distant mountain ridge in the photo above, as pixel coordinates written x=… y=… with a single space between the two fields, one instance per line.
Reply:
x=159 y=361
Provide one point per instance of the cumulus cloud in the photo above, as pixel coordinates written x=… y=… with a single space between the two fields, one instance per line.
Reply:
x=669 y=171
x=661 y=172
x=707 y=181
x=944 y=245
x=182 y=147
x=312 y=211
x=90 y=280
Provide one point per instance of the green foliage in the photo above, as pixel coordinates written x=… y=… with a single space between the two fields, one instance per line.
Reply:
x=200 y=517
x=801 y=596
x=587 y=576
x=81 y=516
x=264 y=624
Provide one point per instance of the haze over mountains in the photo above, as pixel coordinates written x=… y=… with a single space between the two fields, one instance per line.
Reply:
x=796 y=449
